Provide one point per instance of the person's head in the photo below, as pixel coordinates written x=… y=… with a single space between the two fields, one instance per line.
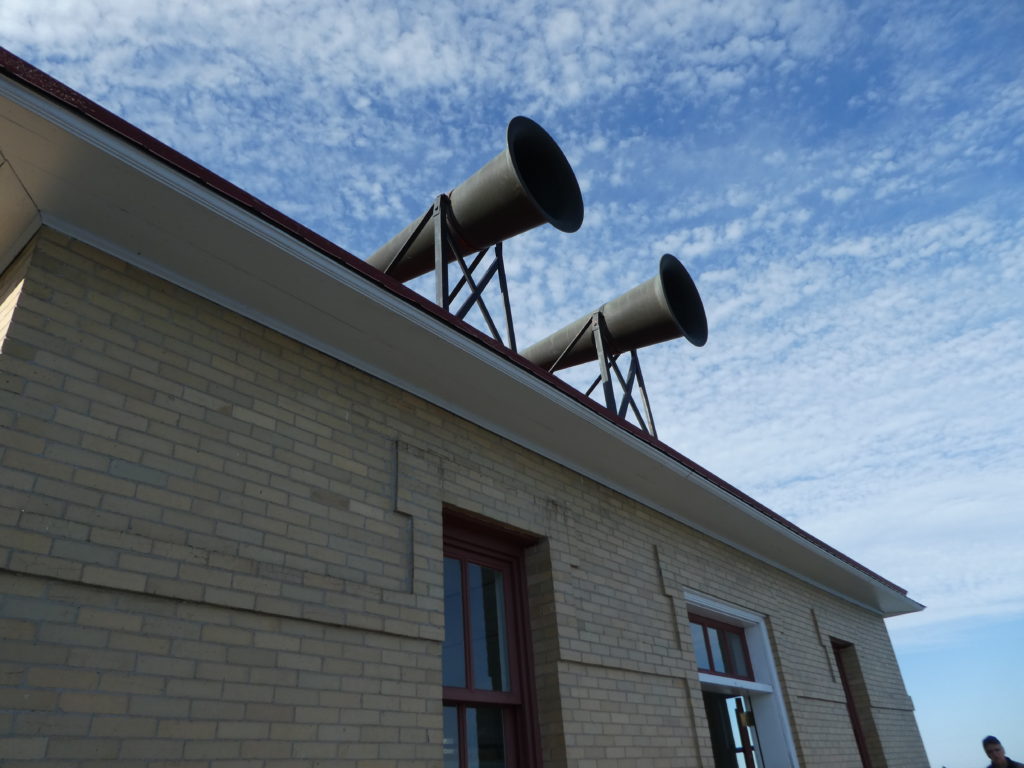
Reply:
x=994 y=750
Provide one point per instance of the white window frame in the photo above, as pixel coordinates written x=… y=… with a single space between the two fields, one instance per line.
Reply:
x=775 y=739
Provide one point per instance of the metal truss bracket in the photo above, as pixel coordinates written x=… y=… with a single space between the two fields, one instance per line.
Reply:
x=610 y=374
x=475 y=275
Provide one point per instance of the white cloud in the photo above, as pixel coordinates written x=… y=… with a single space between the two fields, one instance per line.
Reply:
x=839 y=194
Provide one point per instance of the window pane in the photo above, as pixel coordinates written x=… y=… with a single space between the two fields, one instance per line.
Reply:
x=487 y=628
x=485 y=737
x=450 y=745
x=453 y=657
x=738 y=657
x=699 y=646
x=717 y=660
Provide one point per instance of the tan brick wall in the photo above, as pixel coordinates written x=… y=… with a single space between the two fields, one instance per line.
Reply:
x=107 y=674
x=223 y=548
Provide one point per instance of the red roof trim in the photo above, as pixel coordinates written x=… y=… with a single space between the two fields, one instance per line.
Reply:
x=20 y=70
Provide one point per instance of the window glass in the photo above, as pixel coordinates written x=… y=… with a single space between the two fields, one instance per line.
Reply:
x=717 y=660
x=487 y=630
x=737 y=655
x=700 y=647
x=453 y=657
x=485 y=737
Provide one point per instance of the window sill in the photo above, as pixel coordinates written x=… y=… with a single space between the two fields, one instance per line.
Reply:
x=724 y=684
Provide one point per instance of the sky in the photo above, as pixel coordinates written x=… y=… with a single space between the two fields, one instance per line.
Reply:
x=843 y=180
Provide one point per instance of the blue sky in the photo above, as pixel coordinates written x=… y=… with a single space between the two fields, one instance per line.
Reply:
x=843 y=181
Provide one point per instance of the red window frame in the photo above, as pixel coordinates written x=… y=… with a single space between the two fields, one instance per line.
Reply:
x=839 y=650
x=728 y=660
x=471 y=542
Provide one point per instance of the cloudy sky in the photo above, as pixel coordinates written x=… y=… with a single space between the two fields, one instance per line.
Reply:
x=842 y=179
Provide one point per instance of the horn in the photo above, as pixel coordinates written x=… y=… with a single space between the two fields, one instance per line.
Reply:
x=528 y=184
x=665 y=307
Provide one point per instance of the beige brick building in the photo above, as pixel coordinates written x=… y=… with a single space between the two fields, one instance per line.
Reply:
x=262 y=506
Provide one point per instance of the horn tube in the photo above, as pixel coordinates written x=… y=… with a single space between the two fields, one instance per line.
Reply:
x=528 y=184
x=665 y=307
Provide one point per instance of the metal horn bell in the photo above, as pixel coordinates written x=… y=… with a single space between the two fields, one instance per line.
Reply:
x=528 y=184
x=665 y=307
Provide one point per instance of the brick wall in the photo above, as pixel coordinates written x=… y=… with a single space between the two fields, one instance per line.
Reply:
x=108 y=674
x=219 y=547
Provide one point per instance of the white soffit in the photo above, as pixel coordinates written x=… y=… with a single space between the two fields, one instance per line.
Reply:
x=19 y=218
x=88 y=182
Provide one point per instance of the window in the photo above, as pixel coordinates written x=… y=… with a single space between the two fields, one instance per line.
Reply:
x=489 y=717
x=746 y=717
x=849 y=676
x=721 y=648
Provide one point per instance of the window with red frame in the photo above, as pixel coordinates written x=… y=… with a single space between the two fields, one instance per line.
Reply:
x=849 y=674
x=721 y=648
x=489 y=719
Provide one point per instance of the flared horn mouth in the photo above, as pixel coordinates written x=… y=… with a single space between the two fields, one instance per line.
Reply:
x=527 y=184
x=665 y=307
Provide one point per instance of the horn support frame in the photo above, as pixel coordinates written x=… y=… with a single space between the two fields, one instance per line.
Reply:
x=439 y=223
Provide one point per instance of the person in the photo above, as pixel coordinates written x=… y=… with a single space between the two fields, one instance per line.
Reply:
x=994 y=749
